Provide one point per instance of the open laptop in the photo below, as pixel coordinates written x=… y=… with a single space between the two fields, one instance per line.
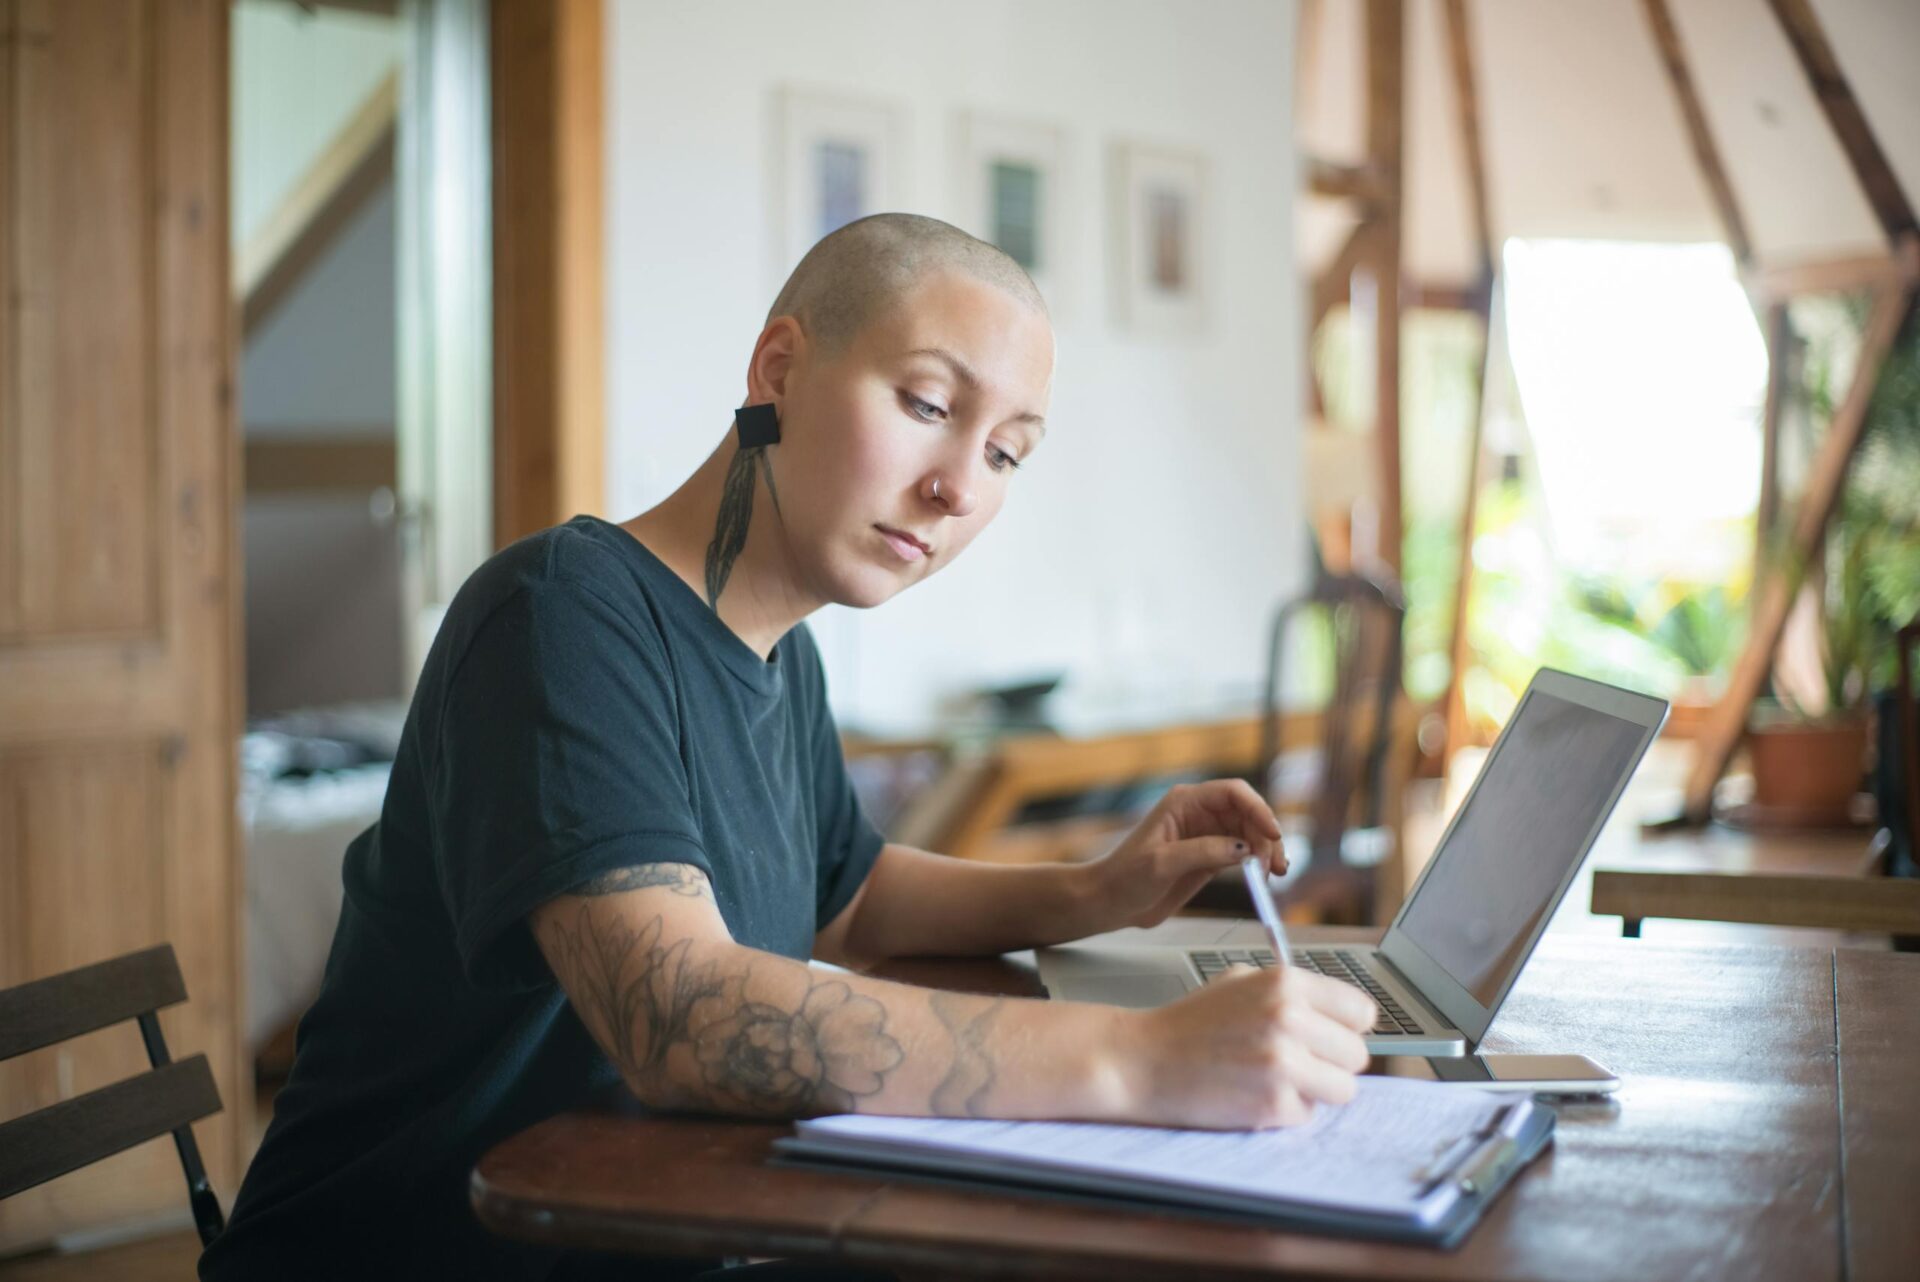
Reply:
x=1503 y=865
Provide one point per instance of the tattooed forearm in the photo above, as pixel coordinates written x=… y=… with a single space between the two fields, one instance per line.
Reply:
x=963 y=1091
x=818 y=1058
x=681 y=879
x=686 y=1031
x=730 y=525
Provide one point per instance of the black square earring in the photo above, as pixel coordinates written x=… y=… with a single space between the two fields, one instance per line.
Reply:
x=757 y=425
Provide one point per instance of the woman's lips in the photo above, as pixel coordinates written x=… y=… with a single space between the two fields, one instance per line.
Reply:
x=905 y=545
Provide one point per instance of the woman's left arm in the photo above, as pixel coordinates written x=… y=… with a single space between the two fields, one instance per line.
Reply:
x=918 y=904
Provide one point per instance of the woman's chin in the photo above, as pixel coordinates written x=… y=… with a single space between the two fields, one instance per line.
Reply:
x=867 y=587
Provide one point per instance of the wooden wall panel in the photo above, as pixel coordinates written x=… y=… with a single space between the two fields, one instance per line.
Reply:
x=10 y=235
x=119 y=656
x=104 y=805
x=81 y=430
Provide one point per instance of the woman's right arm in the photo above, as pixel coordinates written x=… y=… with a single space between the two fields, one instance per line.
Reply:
x=696 y=1021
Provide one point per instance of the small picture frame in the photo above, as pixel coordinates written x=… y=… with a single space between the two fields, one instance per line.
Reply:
x=1161 y=239
x=1012 y=193
x=837 y=159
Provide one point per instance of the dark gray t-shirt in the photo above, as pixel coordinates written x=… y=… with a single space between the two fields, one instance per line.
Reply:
x=581 y=710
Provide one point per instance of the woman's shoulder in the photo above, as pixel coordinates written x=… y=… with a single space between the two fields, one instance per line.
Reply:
x=584 y=557
x=569 y=578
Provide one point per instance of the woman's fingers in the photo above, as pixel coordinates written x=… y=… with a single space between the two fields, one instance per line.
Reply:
x=1237 y=798
x=1315 y=1078
x=1203 y=854
x=1315 y=1051
x=1328 y=1038
x=1231 y=806
x=1338 y=1000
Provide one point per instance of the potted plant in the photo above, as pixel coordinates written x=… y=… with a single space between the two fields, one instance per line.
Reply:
x=1809 y=755
x=1809 y=758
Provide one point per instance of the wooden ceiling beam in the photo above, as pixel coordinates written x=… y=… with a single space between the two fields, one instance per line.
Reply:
x=1466 y=99
x=1727 y=724
x=1445 y=296
x=1364 y=182
x=1386 y=133
x=1849 y=123
x=1786 y=281
x=1333 y=285
x=1673 y=58
x=1479 y=300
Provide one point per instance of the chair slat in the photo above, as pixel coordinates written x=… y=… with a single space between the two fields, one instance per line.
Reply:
x=66 y=1136
x=44 y=1011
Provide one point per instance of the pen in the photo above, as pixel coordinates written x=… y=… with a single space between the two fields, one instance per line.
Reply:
x=1492 y=1150
x=1255 y=870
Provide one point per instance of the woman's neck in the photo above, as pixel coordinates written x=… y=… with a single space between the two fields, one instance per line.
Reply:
x=721 y=533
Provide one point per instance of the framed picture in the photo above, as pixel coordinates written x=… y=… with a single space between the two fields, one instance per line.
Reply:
x=1012 y=193
x=1161 y=243
x=838 y=159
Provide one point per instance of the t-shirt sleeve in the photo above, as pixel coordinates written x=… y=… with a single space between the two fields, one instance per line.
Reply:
x=558 y=759
x=849 y=843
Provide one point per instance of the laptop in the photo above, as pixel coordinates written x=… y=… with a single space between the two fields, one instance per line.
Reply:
x=1445 y=965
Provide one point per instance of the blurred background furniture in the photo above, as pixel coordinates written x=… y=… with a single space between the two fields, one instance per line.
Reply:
x=1046 y=790
x=311 y=780
x=1348 y=833
x=1884 y=898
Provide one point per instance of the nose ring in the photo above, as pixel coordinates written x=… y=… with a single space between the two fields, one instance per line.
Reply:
x=936 y=487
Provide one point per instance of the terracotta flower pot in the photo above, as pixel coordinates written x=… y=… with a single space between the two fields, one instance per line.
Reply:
x=1809 y=767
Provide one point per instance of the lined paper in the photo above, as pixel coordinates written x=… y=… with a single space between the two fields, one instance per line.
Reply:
x=1372 y=1155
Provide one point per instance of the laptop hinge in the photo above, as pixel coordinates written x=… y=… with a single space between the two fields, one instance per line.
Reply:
x=1380 y=958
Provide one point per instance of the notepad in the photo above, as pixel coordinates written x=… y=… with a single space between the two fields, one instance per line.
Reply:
x=1405 y=1159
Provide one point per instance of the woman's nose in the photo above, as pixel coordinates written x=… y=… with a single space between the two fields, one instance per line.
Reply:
x=954 y=497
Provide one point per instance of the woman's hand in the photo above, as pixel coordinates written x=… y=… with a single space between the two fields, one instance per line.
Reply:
x=1254 y=1048
x=1194 y=832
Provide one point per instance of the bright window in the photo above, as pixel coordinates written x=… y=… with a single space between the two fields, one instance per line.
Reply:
x=1641 y=371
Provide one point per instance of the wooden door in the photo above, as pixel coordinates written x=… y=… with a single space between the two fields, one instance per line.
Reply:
x=119 y=671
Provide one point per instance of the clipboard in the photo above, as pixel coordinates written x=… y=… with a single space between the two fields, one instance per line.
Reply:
x=1480 y=1170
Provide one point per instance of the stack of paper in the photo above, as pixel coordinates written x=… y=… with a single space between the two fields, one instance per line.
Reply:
x=1406 y=1159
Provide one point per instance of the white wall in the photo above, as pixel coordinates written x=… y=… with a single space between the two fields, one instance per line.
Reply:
x=1146 y=543
x=297 y=77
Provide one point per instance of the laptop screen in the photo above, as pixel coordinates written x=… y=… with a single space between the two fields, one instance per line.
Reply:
x=1524 y=827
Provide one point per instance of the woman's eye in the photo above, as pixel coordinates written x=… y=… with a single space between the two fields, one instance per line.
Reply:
x=924 y=409
x=999 y=460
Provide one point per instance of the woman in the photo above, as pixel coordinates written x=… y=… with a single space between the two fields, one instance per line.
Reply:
x=619 y=827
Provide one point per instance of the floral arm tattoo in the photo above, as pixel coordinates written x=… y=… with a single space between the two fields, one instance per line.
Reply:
x=660 y=1009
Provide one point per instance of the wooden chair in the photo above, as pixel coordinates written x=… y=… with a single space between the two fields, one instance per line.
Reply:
x=77 y=1132
x=1365 y=619
x=1874 y=902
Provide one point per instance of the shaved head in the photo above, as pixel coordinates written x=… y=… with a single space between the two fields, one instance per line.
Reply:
x=858 y=272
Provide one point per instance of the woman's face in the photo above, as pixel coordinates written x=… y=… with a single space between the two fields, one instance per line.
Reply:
x=897 y=451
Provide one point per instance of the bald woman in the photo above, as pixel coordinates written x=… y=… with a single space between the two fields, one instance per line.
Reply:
x=619 y=838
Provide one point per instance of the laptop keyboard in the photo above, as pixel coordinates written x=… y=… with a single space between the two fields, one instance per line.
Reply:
x=1394 y=1020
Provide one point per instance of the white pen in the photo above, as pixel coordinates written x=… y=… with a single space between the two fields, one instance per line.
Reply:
x=1255 y=870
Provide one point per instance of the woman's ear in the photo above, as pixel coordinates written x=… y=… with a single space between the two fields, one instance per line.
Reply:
x=781 y=346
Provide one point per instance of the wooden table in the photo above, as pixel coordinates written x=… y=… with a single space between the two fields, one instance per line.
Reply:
x=1768 y=1126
